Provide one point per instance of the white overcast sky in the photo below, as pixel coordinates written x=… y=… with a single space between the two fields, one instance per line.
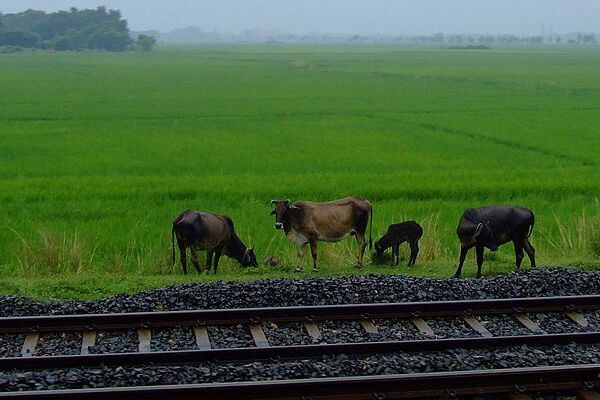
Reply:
x=346 y=16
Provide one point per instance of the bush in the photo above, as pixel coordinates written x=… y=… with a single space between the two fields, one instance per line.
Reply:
x=10 y=49
x=145 y=42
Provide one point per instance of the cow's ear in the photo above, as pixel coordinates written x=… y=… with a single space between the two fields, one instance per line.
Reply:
x=478 y=229
x=272 y=212
x=294 y=208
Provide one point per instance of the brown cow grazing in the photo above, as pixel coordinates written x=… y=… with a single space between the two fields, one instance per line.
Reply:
x=408 y=231
x=493 y=226
x=306 y=222
x=214 y=233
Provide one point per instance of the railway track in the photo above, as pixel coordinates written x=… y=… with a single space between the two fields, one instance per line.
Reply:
x=516 y=384
x=472 y=313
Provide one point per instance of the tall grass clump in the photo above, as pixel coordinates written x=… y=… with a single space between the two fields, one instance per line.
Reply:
x=54 y=253
x=578 y=237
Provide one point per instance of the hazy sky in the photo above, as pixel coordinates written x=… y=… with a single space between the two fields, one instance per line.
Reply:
x=346 y=16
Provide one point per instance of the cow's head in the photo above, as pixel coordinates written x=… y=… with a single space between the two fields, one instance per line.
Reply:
x=379 y=248
x=280 y=212
x=484 y=234
x=249 y=259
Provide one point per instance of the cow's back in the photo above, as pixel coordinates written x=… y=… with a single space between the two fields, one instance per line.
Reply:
x=505 y=215
x=201 y=229
x=506 y=221
x=332 y=220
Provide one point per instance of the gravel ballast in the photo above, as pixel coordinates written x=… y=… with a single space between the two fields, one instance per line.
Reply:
x=173 y=338
x=326 y=366
x=305 y=291
x=503 y=325
x=11 y=344
x=286 y=334
x=230 y=336
x=121 y=341
x=58 y=343
x=317 y=291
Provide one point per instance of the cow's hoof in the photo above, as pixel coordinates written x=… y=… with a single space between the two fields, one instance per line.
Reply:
x=315 y=269
x=358 y=266
x=298 y=269
x=456 y=276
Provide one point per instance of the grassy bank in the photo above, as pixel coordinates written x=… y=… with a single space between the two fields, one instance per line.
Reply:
x=101 y=151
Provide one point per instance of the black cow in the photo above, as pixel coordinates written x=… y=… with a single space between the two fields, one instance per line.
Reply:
x=493 y=226
x=408 y=231
x=214 y=233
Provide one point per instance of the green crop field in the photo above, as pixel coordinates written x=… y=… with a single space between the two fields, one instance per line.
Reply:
x=100 y=151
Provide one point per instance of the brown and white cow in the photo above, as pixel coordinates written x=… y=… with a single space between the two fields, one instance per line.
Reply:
x=306 y=222
x=214 y=233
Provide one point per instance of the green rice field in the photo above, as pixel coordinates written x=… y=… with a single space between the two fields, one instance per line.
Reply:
x=100 y=151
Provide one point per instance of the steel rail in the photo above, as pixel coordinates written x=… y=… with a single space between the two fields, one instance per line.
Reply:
x=247 y=354
x=62 y=323
x=400 y=386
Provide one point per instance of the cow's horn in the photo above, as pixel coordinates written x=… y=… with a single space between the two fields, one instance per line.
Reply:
x=273 y=201
x=478 y=229
x=288 y=201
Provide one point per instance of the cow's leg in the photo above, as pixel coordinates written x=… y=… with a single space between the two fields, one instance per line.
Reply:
x=414 y=251
x=217 y=256
x=300 y=257
x=182 y=257
x=530 y=252
x=362 y=244
x=479 y=251
x=209 y=260
x=361 y=220
x=397 y=251
x=194 y=258
x=518 y=252
x=393 y=256
x=313 y=252
x=464 y=249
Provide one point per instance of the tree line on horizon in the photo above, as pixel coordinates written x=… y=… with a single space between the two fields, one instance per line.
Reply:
x=89 y=29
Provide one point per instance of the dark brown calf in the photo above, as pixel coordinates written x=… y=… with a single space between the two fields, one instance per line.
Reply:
x=306 y=222
x=408 y=231
x=214 y=233
x=493 y=226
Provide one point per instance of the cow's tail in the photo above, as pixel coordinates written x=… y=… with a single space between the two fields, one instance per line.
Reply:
x=371 y=230
x=173 y=243
x=531 y=226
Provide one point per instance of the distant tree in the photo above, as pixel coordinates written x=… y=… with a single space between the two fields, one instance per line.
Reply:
x=20 y=39
x=69 y=30
x=589 y=39
x=145 y=42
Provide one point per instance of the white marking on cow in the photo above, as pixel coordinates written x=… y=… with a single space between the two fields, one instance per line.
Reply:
x=297 y=237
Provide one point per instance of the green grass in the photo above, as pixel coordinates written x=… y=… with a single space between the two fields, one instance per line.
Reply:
x=99 y=152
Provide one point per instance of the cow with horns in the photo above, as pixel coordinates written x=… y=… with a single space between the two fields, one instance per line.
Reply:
x=306 y=222
x=493 y=226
